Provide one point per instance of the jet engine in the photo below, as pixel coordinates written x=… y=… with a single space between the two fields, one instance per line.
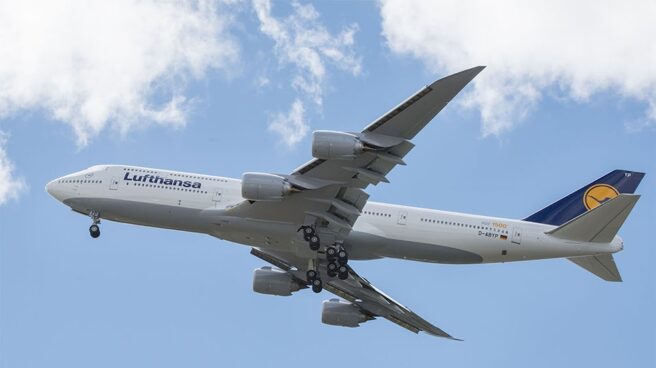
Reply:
x=328 y=144
x=272 y=281
x=264 y=187
x=342 y=313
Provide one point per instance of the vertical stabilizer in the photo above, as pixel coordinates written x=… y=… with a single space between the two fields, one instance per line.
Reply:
x=589 y=197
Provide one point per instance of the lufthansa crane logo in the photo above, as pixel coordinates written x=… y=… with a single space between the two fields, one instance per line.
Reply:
x=596 y=195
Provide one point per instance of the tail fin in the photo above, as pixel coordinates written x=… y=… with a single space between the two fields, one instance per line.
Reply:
x=599 y=225
x=602 y=265
x=590 y=196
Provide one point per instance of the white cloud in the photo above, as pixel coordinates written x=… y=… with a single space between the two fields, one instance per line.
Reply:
x=581 y=48
x=291 y=127
x=96 y=63
x=10 y=185
x=304 y=43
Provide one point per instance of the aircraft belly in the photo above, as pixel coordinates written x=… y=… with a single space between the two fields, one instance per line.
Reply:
x=142 y=213
x=363 y=245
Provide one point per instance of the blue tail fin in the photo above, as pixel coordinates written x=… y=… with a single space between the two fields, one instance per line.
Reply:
x=588 y=197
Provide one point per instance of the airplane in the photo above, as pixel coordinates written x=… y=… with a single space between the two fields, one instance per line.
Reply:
x=310 y=224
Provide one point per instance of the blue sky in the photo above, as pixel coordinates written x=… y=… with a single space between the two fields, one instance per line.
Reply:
x=148 y=297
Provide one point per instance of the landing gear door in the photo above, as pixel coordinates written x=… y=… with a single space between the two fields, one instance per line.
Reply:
x=403 y=218
x=516 y=235
x=113 y=184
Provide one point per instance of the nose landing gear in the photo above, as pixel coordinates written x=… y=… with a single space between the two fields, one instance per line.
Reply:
x=94 y=229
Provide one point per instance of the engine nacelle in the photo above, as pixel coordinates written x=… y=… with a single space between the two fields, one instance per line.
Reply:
x=342 y=313
x=264 y=187
x=272 y=281
x=328 y=144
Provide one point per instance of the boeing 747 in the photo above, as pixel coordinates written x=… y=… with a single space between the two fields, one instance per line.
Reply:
x=310 y=224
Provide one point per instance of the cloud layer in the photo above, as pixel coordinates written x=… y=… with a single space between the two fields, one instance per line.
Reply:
x=303 y=42
x=580 y=48
x=93 y=63
x=10 y=185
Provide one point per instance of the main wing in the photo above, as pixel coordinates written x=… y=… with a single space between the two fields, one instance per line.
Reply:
x=330 y=193
x=359 y=292
x=332 y=190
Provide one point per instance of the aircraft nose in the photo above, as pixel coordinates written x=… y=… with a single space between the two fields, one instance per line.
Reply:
x=54 y=189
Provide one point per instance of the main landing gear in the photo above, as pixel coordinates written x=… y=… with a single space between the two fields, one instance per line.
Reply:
x=310 y=236
x=336 y=256
x=314 y=281
x=337 y=260
x=94 y=229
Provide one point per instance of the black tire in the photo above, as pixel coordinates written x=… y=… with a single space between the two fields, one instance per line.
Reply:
x=94 y=231
x=308 y=231
x=331 y=273
x=317 y=285
x=332 y=266
x=342 y=269
x=343 y=275
x=315 y=242
x=331 y=252
x=342 y=257
x=311 y=275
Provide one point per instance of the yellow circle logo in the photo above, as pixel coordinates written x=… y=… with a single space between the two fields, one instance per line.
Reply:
x=596 y=195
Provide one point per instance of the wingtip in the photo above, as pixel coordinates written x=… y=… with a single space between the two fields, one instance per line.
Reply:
x=462 y=77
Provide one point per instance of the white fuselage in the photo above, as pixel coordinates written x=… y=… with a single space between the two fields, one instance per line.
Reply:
x=189 y=202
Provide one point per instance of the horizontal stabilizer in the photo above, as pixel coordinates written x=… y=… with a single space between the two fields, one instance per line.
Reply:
x=602 y=265
x=599 y=225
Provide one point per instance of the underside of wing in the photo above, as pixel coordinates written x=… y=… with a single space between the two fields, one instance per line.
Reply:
x=360 y=296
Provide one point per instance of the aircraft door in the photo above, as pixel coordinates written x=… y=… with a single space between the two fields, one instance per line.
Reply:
x=516 y=235
x=216 y=199
x=113 y=184
x=403 y=218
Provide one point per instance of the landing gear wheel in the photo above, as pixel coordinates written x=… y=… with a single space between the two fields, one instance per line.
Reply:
x=342 y=272
x=317 y=285
x=311 y=275
x=308 y=232
x=94 y=231
x=314 y=242
x=332 y=269
x=342 y=257
x=331 y=253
